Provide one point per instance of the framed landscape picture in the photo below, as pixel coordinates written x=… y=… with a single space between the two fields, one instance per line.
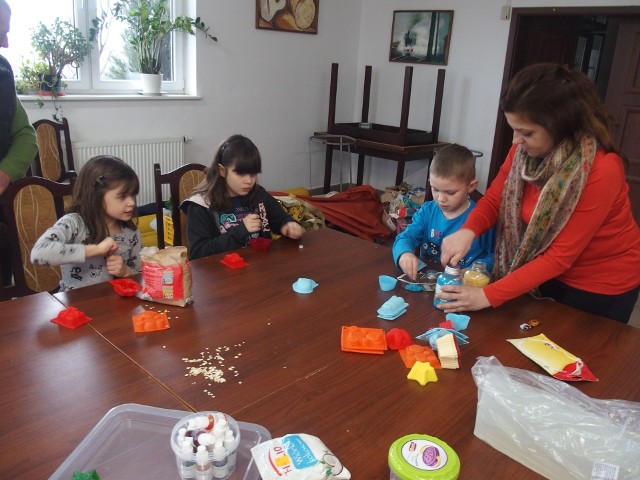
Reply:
x=299 y=16
x=421 y=36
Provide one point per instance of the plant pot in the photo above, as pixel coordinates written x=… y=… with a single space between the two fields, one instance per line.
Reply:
x=151 y=83
x=47 y=86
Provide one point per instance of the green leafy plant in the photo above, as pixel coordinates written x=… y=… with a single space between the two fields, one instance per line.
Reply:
x=30 y=76
x=58 y=46
x=149 y=25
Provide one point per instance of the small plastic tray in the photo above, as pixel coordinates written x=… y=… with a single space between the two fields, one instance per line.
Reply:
x=132 y=441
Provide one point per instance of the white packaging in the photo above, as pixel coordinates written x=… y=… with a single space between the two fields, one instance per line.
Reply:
x=297 y=456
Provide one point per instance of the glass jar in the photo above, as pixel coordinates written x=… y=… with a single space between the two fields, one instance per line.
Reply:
x=477 y=275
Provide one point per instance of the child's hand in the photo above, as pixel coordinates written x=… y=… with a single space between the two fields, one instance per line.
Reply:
x=102 y=249
x=252 y=222
x=292 y=230
x=408 y=262
x=116 y=266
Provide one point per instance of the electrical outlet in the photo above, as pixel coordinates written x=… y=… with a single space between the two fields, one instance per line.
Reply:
x=505 y=12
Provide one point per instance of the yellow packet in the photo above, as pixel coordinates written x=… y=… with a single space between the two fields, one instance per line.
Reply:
x=554 y=359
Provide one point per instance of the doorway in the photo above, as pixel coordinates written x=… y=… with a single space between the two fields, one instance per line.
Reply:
x=603 y=42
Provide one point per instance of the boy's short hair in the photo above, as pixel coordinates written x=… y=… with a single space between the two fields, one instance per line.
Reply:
x=454 y=160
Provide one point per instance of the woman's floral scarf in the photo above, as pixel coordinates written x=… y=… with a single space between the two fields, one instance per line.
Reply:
x=562 y=176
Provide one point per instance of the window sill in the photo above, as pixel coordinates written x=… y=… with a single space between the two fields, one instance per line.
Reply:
x=72 y=97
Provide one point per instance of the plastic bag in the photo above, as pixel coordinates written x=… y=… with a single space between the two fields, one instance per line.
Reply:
x=553 y=428
x=297 y=456
x=167 y=276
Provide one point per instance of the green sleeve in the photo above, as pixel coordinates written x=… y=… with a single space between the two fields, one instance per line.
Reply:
x=23 y=147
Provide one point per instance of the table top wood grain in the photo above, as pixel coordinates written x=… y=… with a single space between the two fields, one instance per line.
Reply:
x=57 y=384
x=283 y=365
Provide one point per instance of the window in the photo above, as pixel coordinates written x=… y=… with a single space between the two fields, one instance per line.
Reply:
x=110 y=68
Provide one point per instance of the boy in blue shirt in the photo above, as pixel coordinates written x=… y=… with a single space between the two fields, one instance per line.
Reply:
x=452 y=176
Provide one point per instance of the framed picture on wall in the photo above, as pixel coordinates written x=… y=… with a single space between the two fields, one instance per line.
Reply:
x=421 y=36
x=300 y=16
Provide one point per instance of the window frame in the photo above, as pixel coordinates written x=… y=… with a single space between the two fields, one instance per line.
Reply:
x=88 y=81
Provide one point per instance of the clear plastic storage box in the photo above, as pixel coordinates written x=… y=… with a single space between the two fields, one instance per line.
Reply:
x=132 y=441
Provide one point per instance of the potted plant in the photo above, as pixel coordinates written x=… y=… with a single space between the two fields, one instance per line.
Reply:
x=149 y=25
x=59 y=45
x=30 y=77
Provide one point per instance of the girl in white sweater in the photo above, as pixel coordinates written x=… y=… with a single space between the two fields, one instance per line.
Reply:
x=97 y=240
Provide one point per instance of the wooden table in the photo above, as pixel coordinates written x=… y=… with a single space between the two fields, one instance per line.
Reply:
x=285 y=347
x=360 y=405
x=57 y=384
x=274 y=336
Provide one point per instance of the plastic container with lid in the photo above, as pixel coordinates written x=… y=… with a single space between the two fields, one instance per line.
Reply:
x=451 y=276
x=421 y=457
x=218 y=454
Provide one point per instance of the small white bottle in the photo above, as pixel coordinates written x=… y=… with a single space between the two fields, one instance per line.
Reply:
x=204 y=470
x=229 y=440
x=220 y=461
x=187 y=465
x=219 y=428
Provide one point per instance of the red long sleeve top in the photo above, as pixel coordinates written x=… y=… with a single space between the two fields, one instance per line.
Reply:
x=597 y=251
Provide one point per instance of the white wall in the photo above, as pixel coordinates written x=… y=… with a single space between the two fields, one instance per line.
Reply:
x=472 y=83
x=274 y=86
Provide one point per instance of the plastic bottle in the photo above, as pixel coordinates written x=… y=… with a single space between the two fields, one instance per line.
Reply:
x=203 y=422
x=477 y=275
x=219 y=428
x=187 y=465
x=204 y=470
x=220 y=468
x=229 y=441
x=451 y=276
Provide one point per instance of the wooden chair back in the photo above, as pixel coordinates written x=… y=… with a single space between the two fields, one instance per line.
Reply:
x=181 y=183
x=50 y=161
x=30 y=206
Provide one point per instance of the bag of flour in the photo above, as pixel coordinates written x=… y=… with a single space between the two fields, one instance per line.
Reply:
x=297 y=456
x=166 y=276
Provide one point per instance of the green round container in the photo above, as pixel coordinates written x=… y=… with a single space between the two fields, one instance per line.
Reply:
x=421 y=457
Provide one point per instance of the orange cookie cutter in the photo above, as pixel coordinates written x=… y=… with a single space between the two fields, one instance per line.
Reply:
x=419 y=353
x=363 y=340
x=149 y=321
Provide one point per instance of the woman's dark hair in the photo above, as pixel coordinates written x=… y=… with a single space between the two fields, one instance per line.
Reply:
x=236 y=152
x=99 y=175
x=563 y=101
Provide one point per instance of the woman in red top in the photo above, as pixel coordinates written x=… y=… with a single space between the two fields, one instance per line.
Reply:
x=560 y=201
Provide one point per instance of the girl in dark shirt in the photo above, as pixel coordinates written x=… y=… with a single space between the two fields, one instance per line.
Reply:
x=228 y=207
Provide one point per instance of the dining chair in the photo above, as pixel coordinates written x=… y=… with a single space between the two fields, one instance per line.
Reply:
x=50 y=161
x=181 y=183
x=30 y=206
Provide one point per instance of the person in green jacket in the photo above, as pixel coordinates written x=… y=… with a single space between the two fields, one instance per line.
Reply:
x=18 y=145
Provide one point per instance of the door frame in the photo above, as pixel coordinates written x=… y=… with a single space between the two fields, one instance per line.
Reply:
x=512 y=58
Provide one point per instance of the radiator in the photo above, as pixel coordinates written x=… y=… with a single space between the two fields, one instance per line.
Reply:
x=141 y=155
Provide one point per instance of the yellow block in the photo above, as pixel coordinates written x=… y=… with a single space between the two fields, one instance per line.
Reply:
x=148 y=235
x=168 y=230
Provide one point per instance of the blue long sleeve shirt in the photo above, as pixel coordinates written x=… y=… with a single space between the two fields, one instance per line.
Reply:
x=429 y=227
